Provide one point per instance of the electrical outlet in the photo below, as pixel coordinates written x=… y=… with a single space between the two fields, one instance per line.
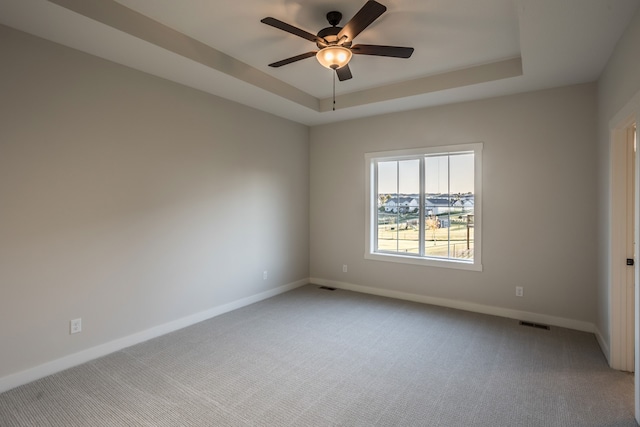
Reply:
x=265 y=274
x=519 y=291
x=344 y=268
x=75 y=326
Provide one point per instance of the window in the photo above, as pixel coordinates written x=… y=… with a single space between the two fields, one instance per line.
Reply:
x=424 y=206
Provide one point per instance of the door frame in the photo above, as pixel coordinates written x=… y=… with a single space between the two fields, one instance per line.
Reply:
x=619 y=354
x=622 y=312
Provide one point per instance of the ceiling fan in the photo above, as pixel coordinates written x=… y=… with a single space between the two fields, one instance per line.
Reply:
x=335 y=43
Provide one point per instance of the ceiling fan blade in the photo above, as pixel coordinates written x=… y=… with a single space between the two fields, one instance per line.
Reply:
x=365 y=17
x=293 y=59
x=291 y=29
x=344 y=73
x=377 y=50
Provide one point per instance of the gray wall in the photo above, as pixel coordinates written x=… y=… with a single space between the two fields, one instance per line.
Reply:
x=617 y=85
x=539 y=201
x=130 y=201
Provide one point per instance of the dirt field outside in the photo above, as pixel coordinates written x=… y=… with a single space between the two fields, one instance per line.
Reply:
x=438 y=241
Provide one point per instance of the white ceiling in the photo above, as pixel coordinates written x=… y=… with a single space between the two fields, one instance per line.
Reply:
x=464 y=49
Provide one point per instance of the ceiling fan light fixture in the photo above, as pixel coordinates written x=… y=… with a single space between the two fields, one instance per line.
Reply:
x=336 y=43
x=334 y=57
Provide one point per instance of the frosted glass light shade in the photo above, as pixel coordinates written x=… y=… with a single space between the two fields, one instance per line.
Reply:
x=334 y=56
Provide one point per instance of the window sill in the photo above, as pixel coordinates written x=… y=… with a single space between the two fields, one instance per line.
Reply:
x=426 y=262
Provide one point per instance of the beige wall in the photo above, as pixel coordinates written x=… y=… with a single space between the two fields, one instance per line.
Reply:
x=130 y=201
x=618 y=84
x=539 y=201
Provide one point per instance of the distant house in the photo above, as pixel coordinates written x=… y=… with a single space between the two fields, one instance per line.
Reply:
x=434 y=205
x=402 y=205
x=390 y=206
x=464 y=203
x=437 y=206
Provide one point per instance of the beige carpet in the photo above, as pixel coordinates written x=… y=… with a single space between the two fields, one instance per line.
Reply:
x=313 y=357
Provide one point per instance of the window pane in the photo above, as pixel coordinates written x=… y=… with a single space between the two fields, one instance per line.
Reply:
x=397 y=213
x=462 y=206
x=387 y=214
x=449 y=206
x=436 y=169
x=436 y=235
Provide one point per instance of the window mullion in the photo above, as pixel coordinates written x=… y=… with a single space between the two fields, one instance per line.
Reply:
x=398 y=206
x=421 y=211
x=374 y=205
x=449 y=206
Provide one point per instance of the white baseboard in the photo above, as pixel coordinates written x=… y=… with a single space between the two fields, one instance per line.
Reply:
x=14 y=380
x=604 y=346
x=463 y=305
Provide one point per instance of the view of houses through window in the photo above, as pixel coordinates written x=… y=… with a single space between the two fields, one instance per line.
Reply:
x=425 y=206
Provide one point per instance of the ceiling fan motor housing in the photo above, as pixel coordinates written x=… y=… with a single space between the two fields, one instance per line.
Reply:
x=330 y=34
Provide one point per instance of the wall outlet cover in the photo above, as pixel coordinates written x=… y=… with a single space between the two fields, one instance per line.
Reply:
x=75 y=326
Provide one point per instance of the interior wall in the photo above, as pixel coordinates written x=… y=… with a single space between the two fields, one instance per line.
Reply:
x=539 y=203
x=130 y=201
x=618 y=84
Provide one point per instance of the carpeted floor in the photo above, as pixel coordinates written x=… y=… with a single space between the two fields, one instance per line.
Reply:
x=313 y=357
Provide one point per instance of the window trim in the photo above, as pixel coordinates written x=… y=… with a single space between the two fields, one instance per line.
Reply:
x=371 y=160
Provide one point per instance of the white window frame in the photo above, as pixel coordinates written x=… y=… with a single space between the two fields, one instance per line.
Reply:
x=371 y=204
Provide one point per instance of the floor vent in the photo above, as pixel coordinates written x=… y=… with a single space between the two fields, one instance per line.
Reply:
x=326 y=288
x=535 y=325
